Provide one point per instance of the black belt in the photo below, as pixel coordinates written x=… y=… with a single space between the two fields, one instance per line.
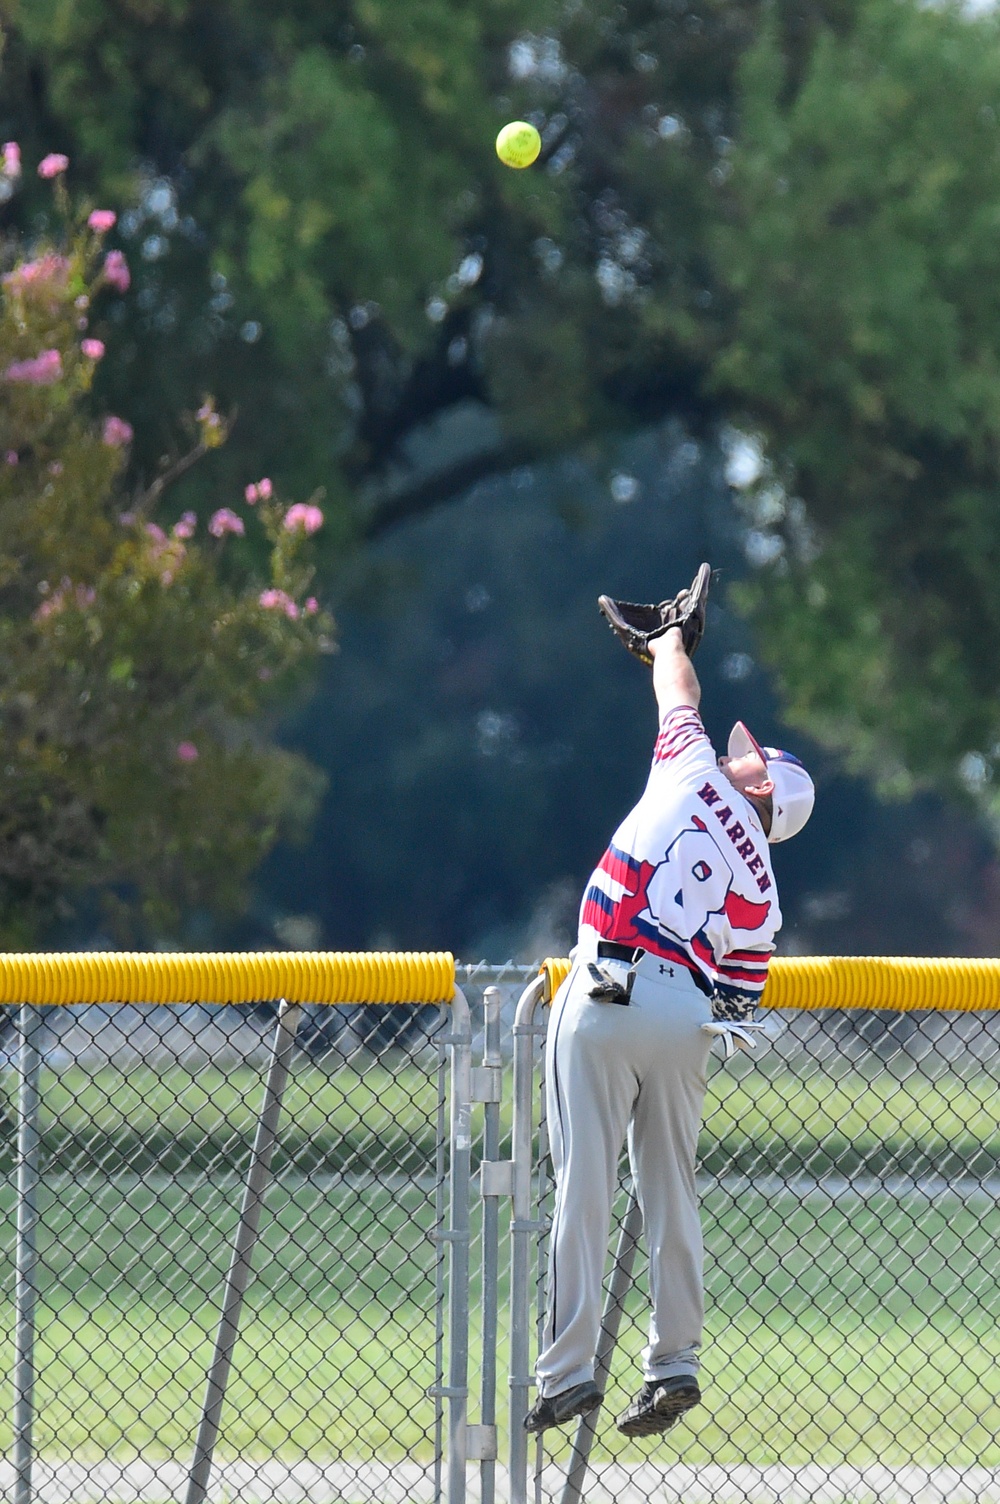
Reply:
x=610 y=950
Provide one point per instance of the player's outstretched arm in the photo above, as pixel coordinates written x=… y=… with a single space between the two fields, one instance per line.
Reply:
x=674 y=679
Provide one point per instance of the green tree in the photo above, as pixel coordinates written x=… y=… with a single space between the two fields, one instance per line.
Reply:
x=137 y=660
x=782 y=218
x=321 y=222
x=864 y=267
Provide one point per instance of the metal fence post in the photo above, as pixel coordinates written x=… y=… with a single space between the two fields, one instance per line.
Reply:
x=618 y=1288
x=26 y=1256
x=493 y=1063
x=243 y=1245
x=522 y=1228
x=457 y=1390
x=439 y=1239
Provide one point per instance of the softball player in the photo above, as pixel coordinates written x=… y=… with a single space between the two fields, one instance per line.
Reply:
x=676 y=929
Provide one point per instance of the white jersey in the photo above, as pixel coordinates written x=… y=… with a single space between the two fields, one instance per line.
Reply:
x=688 y=872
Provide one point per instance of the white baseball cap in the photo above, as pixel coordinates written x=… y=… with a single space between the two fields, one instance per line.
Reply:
x=794 y=791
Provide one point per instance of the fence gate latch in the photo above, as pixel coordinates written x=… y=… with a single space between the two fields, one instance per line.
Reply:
x=486 y=1083
x=481 y=1443
x=496 y=1177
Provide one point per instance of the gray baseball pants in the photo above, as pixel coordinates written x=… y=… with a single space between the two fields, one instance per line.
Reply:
x=610 y=1070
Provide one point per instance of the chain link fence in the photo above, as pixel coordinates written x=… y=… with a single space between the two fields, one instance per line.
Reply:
x=848 y=1182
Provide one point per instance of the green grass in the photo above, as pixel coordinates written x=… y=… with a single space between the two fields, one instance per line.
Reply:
x=338 y=1323
x=857 y=1332
x=861 y=1329
x=175 y=1121
x=871 y=1120
x=831 y=1334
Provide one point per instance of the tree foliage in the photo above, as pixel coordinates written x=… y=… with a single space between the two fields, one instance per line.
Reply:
x=864 y=263
x=781 y=218
x=322 y=220
x=137 y=660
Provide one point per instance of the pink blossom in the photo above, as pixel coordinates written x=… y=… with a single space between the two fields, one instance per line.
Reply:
x=55 y=468
x=12 y=457
x=47 y=269
x=52 y=165
x=116 y=271
x=303 y=516
x=225 y=521
x=187 y=752
x=311 y=606
x=11 y=159
x=92 y=348
x=167 y=554
x=260 y=490
x=51 y=267
x=102 y=220
x=185 y=526
x=66 y=594
x=42 y=370
x=43 y=280
x=116 y=432
x=277 y=600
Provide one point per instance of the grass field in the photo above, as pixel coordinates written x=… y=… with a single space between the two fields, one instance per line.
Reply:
x=862 y=1331
x=173 y=1120
x=865 y=1120
x=845 y=1340
x=862 y=1327
x=338 y=1325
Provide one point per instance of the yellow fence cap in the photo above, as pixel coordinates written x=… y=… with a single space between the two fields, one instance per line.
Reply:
x=227 y=977
x=891 y=983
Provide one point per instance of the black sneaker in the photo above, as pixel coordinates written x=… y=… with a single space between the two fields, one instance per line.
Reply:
x=659 y=1403
x=557 y=1409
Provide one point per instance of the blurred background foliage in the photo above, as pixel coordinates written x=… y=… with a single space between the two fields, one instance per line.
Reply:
x=136 y=664
x=745 y=308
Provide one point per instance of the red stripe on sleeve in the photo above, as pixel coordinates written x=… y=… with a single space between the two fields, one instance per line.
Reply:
x=681 y=729
x=621 y=868
x=754 y=979
x=595 y=916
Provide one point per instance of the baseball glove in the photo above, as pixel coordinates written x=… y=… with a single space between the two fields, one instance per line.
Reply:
x=637 y=625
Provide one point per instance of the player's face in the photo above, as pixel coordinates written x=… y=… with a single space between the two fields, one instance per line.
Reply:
x=747 y=772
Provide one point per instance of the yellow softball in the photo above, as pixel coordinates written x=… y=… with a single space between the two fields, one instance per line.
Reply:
x=518 y=144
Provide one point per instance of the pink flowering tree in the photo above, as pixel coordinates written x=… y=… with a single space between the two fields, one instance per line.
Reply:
x=141 y=657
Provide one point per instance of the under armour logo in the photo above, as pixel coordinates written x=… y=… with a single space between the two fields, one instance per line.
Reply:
x=666 y=970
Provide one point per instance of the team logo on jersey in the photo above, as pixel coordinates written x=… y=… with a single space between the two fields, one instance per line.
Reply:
x=693 y=881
